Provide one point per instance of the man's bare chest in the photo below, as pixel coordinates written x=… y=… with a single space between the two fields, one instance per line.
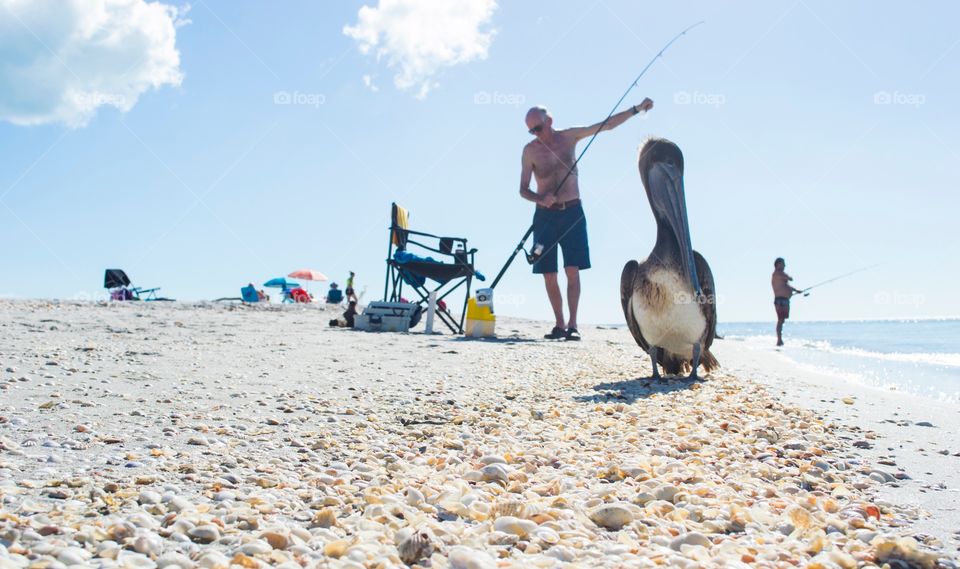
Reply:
x=548 y=159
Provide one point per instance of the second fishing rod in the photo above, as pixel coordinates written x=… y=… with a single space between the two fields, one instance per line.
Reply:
x=535 y=254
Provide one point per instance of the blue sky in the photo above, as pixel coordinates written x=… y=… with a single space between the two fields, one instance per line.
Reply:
x=818 y=131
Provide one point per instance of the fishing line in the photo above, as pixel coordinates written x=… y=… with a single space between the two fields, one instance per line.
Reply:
x=533 y=258
x=806 y=291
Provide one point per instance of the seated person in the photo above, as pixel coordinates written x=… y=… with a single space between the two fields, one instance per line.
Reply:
x=262 y=296
x=300 y=294
x=335 y=295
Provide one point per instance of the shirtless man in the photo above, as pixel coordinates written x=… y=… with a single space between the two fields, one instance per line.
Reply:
x=782 y=291
x=559 y=218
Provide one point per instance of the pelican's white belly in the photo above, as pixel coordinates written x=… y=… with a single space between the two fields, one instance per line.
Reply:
x=669 y=314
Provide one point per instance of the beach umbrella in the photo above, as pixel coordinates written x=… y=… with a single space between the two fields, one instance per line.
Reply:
x=308 y=275
x=280 y=282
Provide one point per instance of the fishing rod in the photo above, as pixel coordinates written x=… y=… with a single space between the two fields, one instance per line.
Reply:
x=531 y=258
x=806 y=291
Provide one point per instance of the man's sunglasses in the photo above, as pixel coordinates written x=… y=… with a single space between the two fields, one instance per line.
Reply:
x=536 y=129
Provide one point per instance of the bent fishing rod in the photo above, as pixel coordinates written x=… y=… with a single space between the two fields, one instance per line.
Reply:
x=806 y=291
x=532 y=258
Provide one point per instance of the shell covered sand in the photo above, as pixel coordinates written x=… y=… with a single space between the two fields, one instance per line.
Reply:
x=197 y=436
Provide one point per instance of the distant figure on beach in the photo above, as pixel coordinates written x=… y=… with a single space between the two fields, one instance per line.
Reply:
x=351 y=294
x=559 y=218
x=334 y=295
x=261 y=295
x=782 y=291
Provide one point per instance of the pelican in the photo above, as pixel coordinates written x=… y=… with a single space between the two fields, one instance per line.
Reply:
x=669 y=298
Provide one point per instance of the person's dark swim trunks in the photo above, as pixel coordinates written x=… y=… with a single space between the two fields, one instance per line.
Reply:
x=564 y=227
x=782 y=305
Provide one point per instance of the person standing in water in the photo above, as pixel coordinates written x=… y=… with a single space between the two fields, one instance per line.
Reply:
x=782 y=291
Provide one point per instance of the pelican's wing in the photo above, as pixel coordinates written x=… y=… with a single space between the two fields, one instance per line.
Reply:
x=628 y=281
x=709 y=305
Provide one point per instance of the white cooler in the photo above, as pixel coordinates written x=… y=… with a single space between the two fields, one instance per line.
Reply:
x=388 y=317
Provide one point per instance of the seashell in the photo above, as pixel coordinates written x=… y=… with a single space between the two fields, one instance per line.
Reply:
x=131 y=560
x=643 y=498
x=495 y=473
x=546 y=535
x=542 y=518
x=462 y=557
x=207 y=533
x=561 y=553
x=479 y=510
x=256 y=547
x=905 y=550
x=515 y=526
x=691 y=538
x=336 y=549
x=665 y=492
x=244 y=561
x=415 y=497
x=502 y=538
x=799 y=517
x=508 y=507
x=325 y=518
x=492 y=459
x=417 y=546
x=275 y=539
x=611 y=516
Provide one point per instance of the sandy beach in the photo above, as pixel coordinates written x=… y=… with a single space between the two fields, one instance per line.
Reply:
x=199 y=435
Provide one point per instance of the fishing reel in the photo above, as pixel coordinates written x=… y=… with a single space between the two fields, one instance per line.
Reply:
x=534 y=254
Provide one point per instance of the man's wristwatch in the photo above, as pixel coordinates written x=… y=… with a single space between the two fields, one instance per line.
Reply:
x=635 y=110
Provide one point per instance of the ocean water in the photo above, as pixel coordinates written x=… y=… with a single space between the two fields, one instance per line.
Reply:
x=921 y=357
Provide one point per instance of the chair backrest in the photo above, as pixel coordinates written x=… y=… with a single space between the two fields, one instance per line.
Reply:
x=249 y=294
x=114 y=278
x=334 y=296
x=399 y=223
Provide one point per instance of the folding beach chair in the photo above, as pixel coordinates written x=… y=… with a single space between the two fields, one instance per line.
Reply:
x=118 y=283
x=249 y=294
x=334 y=296
x=407 y=268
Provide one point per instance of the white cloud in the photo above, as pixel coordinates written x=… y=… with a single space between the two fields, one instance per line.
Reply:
x=369 y=84
x=60 y=60
x=419 y=37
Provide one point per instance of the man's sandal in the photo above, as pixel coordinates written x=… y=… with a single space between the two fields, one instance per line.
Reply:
x=572 y=335
x=555 y=334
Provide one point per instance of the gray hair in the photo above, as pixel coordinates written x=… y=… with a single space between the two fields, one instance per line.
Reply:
x=542 y=111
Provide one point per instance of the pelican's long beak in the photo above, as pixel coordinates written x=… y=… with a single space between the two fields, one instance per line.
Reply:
x=666 y=193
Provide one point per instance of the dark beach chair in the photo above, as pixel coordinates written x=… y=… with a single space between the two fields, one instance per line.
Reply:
x=407 y=268
x=334 y=296
x=118 y=283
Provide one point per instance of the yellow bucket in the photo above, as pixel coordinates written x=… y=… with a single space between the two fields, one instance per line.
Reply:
x=481 y=322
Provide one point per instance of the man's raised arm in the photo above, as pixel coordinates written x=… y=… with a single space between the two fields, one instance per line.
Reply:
x=581 y=132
